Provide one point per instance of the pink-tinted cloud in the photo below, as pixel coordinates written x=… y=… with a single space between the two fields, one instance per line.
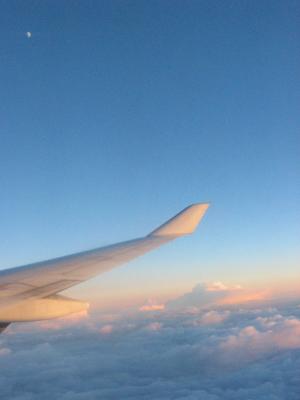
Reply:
x=151 y=305
x=271 y=333
x=216 y=293
x=4 y=351
x=154 y=326
x=69 y=320
x=213 y=317
x=106 y=329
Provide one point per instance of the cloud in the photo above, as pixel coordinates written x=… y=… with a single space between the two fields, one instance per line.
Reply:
x=70 y=320
x=214 y=353
x=4 y=351
x=217 y=286
x=154 y=326
x=201 y=295
x=214 y=317
x=259 y=341
x=215 y=293
x=106 y=329
x=151 y=305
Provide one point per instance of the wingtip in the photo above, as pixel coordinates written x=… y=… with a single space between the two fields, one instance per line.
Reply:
x=183 y=223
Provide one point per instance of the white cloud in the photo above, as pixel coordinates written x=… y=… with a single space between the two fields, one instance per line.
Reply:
x=215 y=353
x=200 y=296
x=216 y=286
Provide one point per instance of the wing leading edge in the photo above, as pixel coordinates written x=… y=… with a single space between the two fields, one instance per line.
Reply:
x=45 y=279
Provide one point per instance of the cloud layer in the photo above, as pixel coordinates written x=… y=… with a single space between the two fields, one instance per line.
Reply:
x=231 y=352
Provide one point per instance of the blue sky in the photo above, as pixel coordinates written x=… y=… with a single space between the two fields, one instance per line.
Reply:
x=115 y=115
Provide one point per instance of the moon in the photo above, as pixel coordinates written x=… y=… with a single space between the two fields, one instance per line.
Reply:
x=28 y=34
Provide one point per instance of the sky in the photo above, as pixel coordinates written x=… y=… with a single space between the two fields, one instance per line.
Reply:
x=115 y=115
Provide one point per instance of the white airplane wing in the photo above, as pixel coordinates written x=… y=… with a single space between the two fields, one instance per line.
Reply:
x=29 y=292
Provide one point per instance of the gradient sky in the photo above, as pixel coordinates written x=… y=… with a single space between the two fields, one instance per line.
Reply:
x=115 y=115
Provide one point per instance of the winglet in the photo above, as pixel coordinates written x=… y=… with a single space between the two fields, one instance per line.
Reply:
x=183 y=223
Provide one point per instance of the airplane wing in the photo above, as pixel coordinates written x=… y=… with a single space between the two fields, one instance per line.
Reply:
x=43 y=280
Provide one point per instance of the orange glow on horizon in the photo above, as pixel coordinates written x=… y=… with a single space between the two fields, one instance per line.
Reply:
x=234 y=293
x=245 y=297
